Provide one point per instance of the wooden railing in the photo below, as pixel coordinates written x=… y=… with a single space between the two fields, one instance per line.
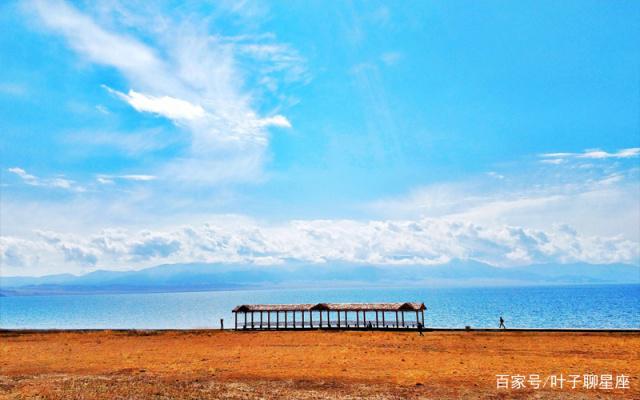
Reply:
x=351 y=324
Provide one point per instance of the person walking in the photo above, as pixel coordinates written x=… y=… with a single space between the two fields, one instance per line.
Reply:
x=420 y=328
x=502 y=323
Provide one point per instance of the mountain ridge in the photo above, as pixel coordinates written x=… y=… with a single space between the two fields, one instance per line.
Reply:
x=204 y=276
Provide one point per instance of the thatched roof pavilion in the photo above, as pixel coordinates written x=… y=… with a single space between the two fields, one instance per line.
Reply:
x=336 y=315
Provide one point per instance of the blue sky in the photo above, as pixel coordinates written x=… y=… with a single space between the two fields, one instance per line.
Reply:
x=259 y=132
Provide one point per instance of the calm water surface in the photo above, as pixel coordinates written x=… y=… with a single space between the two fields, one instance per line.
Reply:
x=615 y=306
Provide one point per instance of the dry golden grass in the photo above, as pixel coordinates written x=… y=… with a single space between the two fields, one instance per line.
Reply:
x=311 y=364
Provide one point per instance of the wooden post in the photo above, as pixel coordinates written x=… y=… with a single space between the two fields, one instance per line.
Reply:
x=422 y=317
x=221 y=323
x=261 y=312
x=285 y=319
x=417 y=318
x=235 y=317
x=320 y=312
x=338 y=319
x=245 y=320
x=251 y=319
x=377 y=322
x=294 y=319
x=397 y=321
x=403 y=325
x=268 y=319
x=302 y=319
x=357 y=319
x=383 y=323
x=277 y=319
x=328 y=319
x=310 y=319
x=364 y=318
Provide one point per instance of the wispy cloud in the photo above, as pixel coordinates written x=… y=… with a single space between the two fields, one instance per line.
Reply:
x=13 y=89
x=87 y=143
x=595 y=154
x=196 y=79
x=600 y=202
x=56 y=182
x=110 y=179
x=391 y=58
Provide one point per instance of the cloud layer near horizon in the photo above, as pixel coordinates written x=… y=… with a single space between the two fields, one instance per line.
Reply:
x=241 y=240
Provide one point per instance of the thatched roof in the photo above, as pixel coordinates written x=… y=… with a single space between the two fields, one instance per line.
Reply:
x=332 y=307
x=272 y=307
x=370 y=306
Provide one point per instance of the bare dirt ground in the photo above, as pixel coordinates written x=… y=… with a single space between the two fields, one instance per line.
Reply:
x=308 y=365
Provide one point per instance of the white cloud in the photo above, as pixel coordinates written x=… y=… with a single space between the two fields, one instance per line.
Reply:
x=390 y=242
x=184 y=73
x=276 y=120
x=597 y=154
x=105 y=180
x=553 y=161
x=95 y=43
x=27 y=178
x=143 y=178
x=169 y=107
x=56 y=182
x=595 y=202
x=111 y=179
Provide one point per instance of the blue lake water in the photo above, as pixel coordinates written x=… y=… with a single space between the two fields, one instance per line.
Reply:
x=610 y=306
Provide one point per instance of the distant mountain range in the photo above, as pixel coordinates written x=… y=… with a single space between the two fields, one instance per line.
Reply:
x=202 y=277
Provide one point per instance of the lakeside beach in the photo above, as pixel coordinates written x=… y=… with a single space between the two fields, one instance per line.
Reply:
x=310 y=364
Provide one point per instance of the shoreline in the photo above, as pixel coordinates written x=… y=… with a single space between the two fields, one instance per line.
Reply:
x=12 y=292
x=335 y=330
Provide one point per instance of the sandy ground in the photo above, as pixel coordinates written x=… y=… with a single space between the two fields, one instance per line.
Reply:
x=310 y=365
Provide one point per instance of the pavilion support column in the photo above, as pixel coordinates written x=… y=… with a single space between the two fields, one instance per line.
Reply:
x=364 y=318
x=383 y=323
x=235 y=318
x=285 y=319
x=403 y=325
x=261 y=312
x=245 y=320
x=268 y=319
x=277 y=319
x=302 y=319
x=357 y=319
x=320 y=312
x=328 y=319
x=338 y=319
x=422 y=317
x=377 y=321
x=294 y=320
x=417 y=319
x=310 y=319
x=397 y=320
